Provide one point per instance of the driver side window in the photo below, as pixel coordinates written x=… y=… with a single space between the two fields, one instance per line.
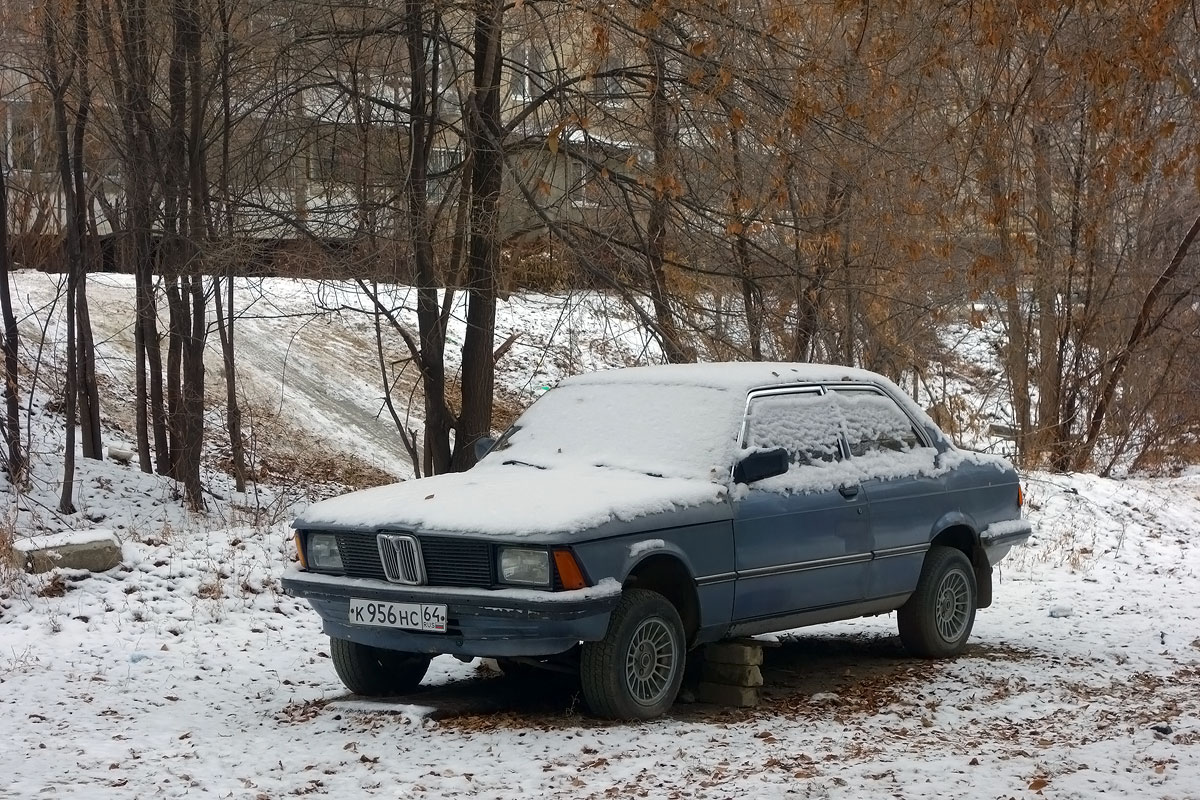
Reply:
x=803 y=423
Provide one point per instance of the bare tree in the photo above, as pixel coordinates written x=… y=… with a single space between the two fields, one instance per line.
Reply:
x=65 y=68
x=485 y=144
x=16 y=463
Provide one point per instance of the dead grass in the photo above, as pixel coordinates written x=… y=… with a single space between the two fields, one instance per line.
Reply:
x=1169 y=455
x=55 y=587
x=286 y=456
x=505 y=410
x=324 y=467
x=10 y=560
x=212 y=589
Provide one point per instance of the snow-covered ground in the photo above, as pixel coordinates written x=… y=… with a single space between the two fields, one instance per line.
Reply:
x=186 y=672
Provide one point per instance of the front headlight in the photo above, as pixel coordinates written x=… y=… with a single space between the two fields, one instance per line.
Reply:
x=323 y=552
x=528 y=567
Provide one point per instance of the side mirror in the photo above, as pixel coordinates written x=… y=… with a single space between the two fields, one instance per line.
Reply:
x=761 y=464
x=483 y=446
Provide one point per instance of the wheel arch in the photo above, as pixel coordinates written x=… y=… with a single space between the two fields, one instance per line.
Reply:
x=964 y=538
x=667 y=575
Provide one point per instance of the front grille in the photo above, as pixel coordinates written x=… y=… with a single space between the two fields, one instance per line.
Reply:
x=446 y=561
x=360 y=556
x=453 y=562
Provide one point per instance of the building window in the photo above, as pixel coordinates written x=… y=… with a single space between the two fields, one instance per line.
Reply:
x=606 y=87
x=270 y=157
x=527 y=72
x=335 y=155
x=440 y=173
x=577 y=179
x=28 y=145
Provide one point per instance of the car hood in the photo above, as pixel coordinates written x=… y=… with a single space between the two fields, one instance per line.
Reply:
x=516 y=500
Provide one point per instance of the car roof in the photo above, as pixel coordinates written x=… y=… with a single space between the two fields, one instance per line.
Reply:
x=741 y=376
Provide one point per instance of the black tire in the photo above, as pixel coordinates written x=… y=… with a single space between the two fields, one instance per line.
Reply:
x=374 y=672
x=937 y=620
x=634 y=672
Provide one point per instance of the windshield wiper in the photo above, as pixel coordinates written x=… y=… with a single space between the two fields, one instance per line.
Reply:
x=610 y=466
x=522 y=463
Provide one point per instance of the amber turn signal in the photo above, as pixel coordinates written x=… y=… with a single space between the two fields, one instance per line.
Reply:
x=1020 y=496
x=568 y=570
x=299 y=550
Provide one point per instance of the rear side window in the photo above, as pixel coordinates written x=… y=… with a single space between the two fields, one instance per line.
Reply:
x=803 y=423
x=874 y=423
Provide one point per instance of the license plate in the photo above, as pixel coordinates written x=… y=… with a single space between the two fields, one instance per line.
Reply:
x=411 y=616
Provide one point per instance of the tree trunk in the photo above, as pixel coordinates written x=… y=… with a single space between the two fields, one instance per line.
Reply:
x=89 y=389
x=225 y=322
x=193 y=395
x=139 y=390
x=751 y=293
x=1047 y=290
x=808 y=295
x=66 y=501
x=660 y=205
x=233 y=410
x=194 y=326
x=1016 y=355
x=430 y=323
x=177 y=248
x=16 y=466
x=59 y=83
x=1060 y=456
x=179 y=324
x=483 y=139
x=148 y=324
x=89 y=393
x=132 y=79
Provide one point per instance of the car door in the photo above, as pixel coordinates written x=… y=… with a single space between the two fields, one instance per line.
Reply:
x=802 y=539
x=904 y=491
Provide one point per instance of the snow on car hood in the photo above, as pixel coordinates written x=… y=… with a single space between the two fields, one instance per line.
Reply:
x=513 y=500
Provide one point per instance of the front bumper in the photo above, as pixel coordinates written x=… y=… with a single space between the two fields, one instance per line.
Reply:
x=480 y=622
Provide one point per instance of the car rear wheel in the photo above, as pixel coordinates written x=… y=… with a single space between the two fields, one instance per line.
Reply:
x=375 y=672
x=635 y=671
x=937 y=620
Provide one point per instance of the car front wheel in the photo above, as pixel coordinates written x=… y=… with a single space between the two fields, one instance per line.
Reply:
x=635 y=671
x=937 y=620
x=375 y=672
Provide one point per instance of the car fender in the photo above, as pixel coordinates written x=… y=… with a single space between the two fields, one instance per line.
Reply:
x=979 y=560
x=702 y=560
x=642 y=549
x=954 y=519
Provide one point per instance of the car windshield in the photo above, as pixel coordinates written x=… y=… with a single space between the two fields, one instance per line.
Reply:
x=668 y=430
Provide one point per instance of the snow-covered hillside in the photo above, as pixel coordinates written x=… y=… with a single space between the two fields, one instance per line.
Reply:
x=186 y=672
x=307 y=359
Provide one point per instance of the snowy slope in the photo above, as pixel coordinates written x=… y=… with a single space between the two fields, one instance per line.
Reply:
x=307 y=360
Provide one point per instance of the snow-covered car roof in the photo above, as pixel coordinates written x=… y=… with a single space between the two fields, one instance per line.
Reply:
x=742 y=376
